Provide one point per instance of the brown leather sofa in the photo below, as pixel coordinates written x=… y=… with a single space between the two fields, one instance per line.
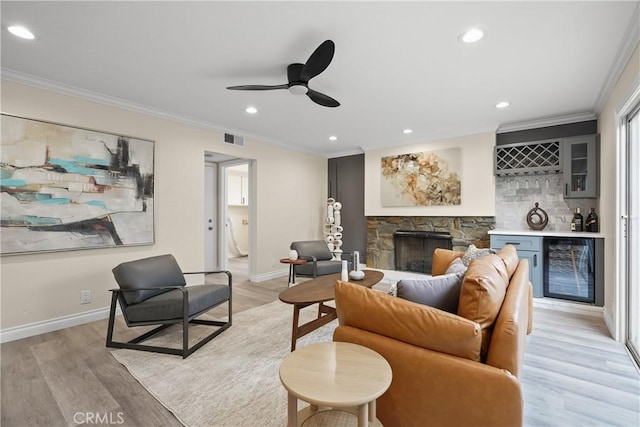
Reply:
x=449 y=369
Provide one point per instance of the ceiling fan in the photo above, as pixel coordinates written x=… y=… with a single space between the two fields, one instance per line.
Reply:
x=300 y=74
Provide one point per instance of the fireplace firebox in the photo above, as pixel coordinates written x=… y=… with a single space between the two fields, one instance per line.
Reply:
x=413 y=250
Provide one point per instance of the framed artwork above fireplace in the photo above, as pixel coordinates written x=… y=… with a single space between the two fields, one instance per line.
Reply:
x=428 y=178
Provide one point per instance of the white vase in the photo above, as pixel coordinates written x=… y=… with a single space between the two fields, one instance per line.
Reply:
x=356 y=273
x=344 y=276
x=293 y=255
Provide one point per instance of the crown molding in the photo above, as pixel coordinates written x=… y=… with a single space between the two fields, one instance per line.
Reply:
x=547 y=121
x=629 y=43
x=87 y=95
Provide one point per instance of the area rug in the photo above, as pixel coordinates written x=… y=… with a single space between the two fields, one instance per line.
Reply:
x=233 y=380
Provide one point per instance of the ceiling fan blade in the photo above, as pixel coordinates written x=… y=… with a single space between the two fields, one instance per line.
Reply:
x=318 y=61
x=258 y=87
x=322 y=99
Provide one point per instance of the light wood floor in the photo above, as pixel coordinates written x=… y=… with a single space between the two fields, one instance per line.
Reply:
x=575 y=374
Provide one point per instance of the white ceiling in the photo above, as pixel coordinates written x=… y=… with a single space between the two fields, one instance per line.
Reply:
x=396 y=64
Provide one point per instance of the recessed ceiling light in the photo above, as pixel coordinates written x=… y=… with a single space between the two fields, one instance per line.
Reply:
x=472 y=35
x=502 y=104
x=251 y=110
x=407 y=131
x=333 y=138
x=22 y=32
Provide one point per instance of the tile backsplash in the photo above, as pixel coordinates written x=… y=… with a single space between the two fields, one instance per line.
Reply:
x=516 y=195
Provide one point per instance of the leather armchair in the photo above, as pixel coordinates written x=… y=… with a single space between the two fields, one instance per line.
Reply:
x=319 y=259
x=153 y=291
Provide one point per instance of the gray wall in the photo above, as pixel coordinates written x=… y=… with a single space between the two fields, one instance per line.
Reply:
x=346 y=185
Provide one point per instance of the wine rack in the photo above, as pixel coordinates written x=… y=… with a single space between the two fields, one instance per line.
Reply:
x=528 y=158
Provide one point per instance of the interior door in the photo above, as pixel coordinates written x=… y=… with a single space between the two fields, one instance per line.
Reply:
x=633 y=232
x=210 y=217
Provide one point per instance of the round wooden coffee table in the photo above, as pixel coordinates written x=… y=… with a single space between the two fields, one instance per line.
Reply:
x=335 y=375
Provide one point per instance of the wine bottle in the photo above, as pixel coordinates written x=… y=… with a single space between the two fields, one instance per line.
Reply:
x=591 y=224
x=577 y=220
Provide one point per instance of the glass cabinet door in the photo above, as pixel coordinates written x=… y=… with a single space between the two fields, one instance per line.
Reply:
x=579 y=167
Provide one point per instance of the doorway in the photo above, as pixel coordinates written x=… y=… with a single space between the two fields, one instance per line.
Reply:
x=229 y=210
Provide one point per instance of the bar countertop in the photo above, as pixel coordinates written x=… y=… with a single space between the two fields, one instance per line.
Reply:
x=548 y=233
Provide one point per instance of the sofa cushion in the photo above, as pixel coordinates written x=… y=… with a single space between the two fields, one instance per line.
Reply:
x=473 y=252
x=441 y=259
x=415 y=324
x=324 y=267
x=312 y=248
x=438 y=291
x=153 y=272
x=456 y=266
x=509 y=256
x=482 y=293
x=168 y=305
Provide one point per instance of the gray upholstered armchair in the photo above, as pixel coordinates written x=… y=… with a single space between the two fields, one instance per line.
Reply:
x=153 y=291
x=319 y=259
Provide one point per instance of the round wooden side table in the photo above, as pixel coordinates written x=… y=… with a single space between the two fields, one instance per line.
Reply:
x=292 y=271
x=334 y=375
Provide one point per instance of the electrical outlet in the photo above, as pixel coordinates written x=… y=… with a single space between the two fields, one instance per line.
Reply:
x=85 y=297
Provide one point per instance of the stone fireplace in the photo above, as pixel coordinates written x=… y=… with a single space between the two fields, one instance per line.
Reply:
x=464 y=231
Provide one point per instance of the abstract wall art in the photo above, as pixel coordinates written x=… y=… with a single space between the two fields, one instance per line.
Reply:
x=421 y=179
x=67 y=188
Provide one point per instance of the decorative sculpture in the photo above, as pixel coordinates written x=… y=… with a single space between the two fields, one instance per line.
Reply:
x=333 y=228
x=537 y=218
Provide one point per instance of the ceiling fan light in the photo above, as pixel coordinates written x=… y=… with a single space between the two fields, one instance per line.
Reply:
x=298 y=89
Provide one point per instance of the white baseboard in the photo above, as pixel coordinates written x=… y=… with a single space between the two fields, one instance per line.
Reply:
x=263 y=277
x=44 y=326
x=569 y=307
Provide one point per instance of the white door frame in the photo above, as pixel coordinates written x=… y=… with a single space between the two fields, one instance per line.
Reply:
x=621 y=212
x=211 y=229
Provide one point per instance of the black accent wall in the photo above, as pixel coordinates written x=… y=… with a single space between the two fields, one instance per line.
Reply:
x=346 y=185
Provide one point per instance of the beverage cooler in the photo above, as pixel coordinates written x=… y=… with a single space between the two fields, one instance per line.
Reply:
x=573 y=269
